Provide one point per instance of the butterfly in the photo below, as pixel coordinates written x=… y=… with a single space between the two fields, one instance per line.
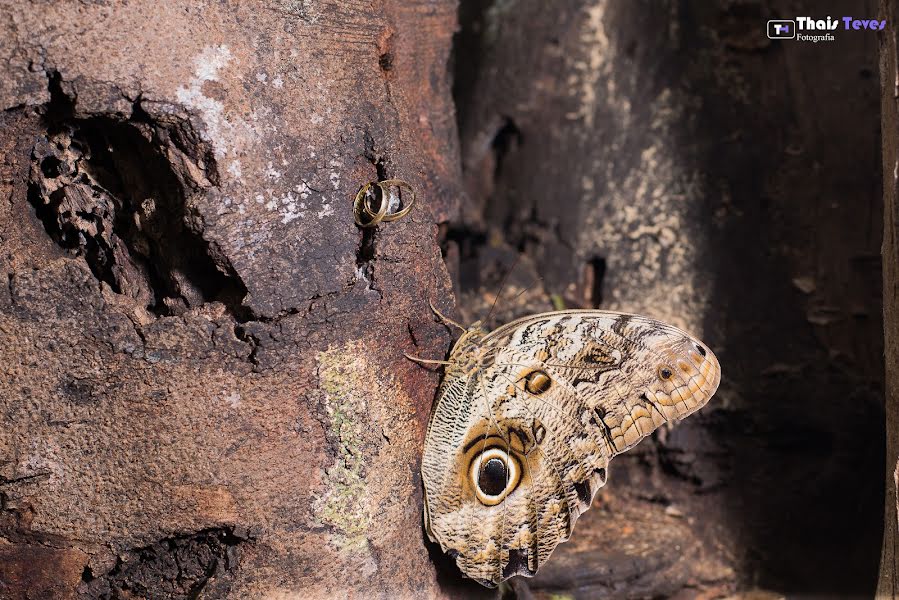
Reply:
x=527 y=419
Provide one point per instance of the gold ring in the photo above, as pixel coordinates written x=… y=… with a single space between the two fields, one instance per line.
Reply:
x=400 y=185
x=362 y=205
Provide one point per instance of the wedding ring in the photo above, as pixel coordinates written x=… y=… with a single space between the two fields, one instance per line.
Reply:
x=362 y=212
x=400 y=185
x=366 y=216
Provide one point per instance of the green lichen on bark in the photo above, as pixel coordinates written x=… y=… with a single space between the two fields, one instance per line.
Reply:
x=343 y=507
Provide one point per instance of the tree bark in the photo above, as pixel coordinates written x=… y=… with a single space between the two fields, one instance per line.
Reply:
x=201 y=368
x=888 y=583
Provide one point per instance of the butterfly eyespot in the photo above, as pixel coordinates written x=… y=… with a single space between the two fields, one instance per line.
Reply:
x=537 y=382
x=495 y=475
x=665 y=373
x=492 y=477
x=700 y=349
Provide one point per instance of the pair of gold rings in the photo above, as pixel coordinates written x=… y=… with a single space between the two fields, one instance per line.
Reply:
x=371 y=207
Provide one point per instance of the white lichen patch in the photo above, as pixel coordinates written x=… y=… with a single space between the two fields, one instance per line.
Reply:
x=303 y=199
x=593 y=66
x=334 y=175
x=361 y=276
x=290 y=205
x=272 y=173
x=226 y=133
x=655 y=252
x=326 y=211
x=230 y=398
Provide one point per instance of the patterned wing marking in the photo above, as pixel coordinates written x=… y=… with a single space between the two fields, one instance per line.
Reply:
x=632 y=399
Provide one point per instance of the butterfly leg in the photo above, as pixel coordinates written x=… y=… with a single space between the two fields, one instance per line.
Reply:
x=426 y=361
x=444 y=319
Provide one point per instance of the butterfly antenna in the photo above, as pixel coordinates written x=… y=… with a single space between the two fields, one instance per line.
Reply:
x=529 y=288
x=502 y=286
x=426 y=361
x=445 y=319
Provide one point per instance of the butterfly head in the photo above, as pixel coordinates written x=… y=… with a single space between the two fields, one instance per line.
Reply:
x=468 y=350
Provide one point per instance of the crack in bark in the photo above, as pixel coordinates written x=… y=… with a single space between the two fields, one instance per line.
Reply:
x=22 y=478
x=366 y=254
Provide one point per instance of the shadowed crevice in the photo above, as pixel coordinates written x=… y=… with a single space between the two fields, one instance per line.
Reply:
x=178 y=567
x=105 y=190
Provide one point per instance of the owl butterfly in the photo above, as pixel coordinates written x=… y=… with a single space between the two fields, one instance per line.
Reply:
x=529 y=416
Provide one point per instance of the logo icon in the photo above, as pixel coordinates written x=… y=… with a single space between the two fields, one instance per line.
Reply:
x=781 y=30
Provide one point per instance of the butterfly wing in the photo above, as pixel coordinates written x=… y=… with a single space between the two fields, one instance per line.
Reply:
x=491 y=538
x=635 y=372
x=519 y=442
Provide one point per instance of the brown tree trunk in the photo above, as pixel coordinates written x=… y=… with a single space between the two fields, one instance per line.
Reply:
x=202 y=384
x=888 y=584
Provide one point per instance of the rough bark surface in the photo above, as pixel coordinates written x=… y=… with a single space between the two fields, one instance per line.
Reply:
x=669 y=159
x=201 y=363
x=888 y=584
